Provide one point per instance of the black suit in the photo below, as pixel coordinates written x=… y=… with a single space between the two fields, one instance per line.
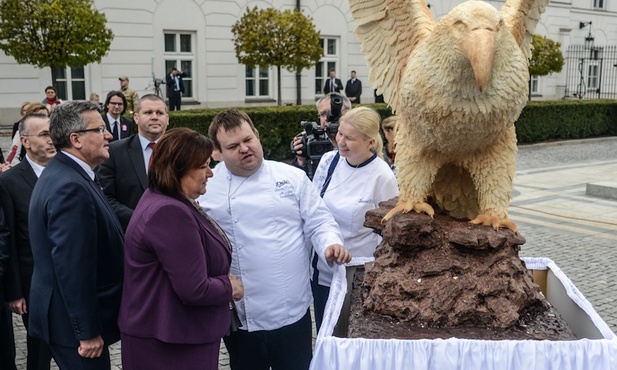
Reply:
x=353 y=89
x=328 y=87
x=16 y=188
x=125 y=130
x=123 y=177
x=77 y=244
x=7 y=341
x=174 y=94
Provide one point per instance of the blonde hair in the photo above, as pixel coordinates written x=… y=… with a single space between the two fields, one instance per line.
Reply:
x=366 y=120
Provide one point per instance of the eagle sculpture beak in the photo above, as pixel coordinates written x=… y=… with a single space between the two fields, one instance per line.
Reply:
x=479 y=48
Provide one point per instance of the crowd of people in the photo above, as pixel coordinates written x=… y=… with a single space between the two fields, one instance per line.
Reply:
x=114 y=228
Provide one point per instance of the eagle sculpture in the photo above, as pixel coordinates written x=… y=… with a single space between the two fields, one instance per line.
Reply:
x=458 y=86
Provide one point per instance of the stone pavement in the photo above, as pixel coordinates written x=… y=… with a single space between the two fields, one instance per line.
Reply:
x=549 y=205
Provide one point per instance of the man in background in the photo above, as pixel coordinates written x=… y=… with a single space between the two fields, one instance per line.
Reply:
x=124 y=175
x=120 y=126
x=333 y=84
x=129 y=94
x=15 y=191
x=323 y=107
x=353 y=89
x=175 y=88
x=77 y=245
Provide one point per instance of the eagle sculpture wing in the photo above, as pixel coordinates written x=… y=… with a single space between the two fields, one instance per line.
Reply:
x=521 y=17
x=389 y=31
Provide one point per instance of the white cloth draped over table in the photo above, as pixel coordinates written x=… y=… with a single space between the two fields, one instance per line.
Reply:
x=463 y=354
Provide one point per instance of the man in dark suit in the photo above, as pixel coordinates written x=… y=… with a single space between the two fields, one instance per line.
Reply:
x=353 y=89
x=175 y=88
x=124 y=176
x=76 y=243
x=7 y=340
x=15 y=191
x=333 y=84
x=115 y=106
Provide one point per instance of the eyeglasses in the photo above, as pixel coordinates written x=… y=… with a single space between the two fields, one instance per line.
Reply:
x=43 y=134
x=117 y=104
x=100 y=129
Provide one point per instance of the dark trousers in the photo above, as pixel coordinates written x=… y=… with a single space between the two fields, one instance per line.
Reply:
x=175 y=99
x=39 y=355
x=67 y=358
x=320 y=297
x=7 y=340
x=287 y=348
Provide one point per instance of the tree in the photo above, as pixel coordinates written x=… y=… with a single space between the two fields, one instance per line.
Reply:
x=270 y=37
x=546 y=58
x=53 y=33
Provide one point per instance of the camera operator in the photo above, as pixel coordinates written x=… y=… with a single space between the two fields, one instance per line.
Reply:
x=323 y=108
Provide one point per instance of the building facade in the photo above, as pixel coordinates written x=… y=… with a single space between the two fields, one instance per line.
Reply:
x=152 y=36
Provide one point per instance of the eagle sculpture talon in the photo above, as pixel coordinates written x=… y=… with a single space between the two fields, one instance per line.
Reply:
x=407 y=206
x=495 y=221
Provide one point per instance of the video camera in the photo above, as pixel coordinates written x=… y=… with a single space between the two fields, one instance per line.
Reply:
x=316 y=140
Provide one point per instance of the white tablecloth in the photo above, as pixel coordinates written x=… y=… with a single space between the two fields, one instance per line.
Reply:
x=462 y=354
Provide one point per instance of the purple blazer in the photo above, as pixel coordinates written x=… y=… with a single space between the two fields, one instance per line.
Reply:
x=176 y=284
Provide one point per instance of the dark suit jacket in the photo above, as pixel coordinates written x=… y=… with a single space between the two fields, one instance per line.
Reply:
x=354 y=90
x=16 y=188
x=77 y=246
x=170 y=85
x=4 y=250
x=123 y=177
x=176 y=284
x=124 y=122
x=339 y=86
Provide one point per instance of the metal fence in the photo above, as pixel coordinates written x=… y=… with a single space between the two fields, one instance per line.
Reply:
x=591 y=73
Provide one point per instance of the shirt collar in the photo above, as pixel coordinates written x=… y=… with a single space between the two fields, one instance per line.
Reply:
x=82 y=164
x=144 y=142
x=111 y=119
x=37 y=168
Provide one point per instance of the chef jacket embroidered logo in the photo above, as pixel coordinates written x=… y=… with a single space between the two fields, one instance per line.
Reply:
x=284 y=189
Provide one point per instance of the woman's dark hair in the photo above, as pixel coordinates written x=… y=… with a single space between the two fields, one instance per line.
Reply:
x=178 y=151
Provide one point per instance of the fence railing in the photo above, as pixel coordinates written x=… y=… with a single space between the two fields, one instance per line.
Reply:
x=591 y=73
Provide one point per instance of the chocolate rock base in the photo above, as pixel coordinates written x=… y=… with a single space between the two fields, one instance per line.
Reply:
x=445 y=273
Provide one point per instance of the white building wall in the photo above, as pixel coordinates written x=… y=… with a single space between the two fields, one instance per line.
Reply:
x=219 y=80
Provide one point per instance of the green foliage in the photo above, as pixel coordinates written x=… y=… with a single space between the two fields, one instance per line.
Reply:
x=53 y=33
x=270 y=37
x=546 y=56
x=566 y=119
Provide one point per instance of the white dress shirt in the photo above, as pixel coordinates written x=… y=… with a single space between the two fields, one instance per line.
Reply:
x=351 y=193
x=267 y=217
x=37 y=168
x=146 y=150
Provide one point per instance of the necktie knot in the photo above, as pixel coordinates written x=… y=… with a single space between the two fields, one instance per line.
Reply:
x=151 y=145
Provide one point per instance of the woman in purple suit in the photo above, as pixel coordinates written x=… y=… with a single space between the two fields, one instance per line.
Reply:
x=177 y=287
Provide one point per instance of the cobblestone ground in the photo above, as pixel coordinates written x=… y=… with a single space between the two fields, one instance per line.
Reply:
x=552 y=212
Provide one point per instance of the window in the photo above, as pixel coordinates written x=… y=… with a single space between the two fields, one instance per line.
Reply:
x=327 y=63
x=535 y=85
x=180 y=53
x=70 y=83
x=257 y=82
x=592 y=77
x=599 y=4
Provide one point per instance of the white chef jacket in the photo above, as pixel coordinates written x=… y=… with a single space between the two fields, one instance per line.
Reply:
x=267 y=217
x=351 y=193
